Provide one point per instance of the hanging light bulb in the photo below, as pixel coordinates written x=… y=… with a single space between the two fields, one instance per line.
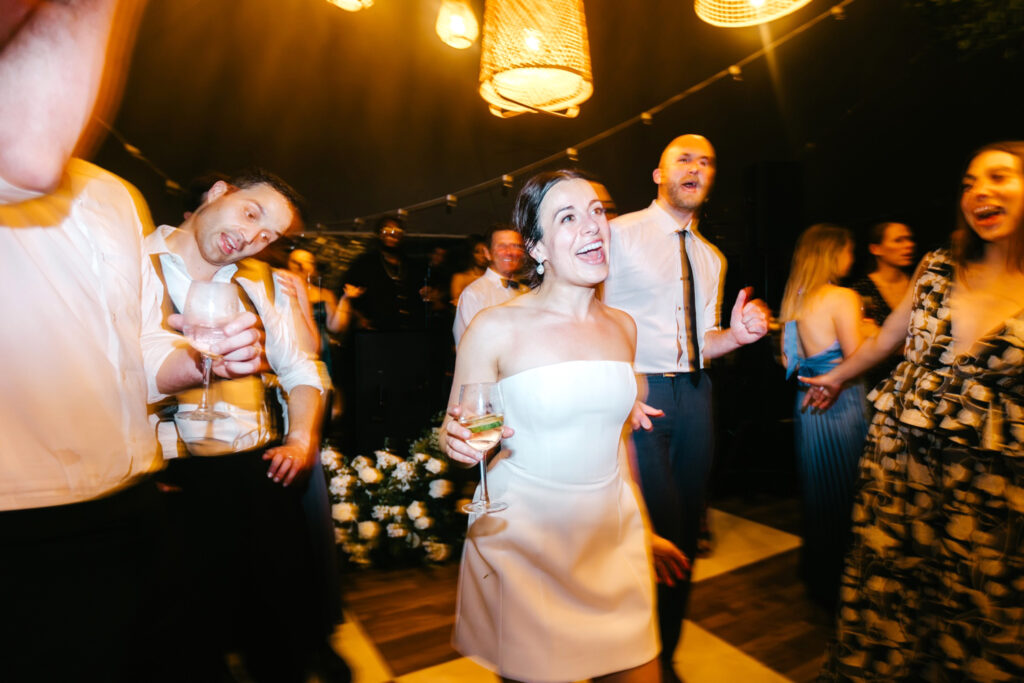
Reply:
x=736 y=13
x=535 y=57
x=456 y=24
x=352 y=5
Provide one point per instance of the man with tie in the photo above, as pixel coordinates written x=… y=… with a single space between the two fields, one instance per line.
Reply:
x=668 y=277
x=498 y=284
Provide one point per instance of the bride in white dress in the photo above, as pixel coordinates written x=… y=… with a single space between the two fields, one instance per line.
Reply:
x=560 y=586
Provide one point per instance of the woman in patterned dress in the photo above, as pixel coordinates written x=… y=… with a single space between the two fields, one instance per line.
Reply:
x=933 y=588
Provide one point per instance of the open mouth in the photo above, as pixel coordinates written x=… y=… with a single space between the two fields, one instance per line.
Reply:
x=592 y=253
x=691 y=185
x=987 y=214
x=229 y=244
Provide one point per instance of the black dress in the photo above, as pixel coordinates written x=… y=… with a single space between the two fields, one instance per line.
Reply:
x=876 y=308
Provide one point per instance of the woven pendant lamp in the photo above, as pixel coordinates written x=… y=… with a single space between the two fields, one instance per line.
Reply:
x=737 y=13
x=535 y=57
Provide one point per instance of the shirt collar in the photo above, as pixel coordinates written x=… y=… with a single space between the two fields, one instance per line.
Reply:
x=158 y=245
x=670 y=224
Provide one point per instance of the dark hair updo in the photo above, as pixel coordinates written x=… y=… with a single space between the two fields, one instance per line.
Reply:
x=526 y=215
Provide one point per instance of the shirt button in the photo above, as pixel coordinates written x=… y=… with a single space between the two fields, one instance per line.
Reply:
x=113 y=317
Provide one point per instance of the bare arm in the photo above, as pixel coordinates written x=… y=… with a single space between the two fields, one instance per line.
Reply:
x=476 y=361
x=870 y=353
x=294 y=287
x=747 y=323
x=297 y=456
x=54 y=59
x=846 y=317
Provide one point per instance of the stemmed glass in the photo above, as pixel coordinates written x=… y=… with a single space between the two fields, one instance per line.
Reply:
x=209 y=306
x=483 y=414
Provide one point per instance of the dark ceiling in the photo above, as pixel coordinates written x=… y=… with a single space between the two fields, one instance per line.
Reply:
x=366 y=112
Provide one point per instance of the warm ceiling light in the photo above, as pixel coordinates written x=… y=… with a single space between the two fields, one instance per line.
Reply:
x=736 y=13
x=535 y=57
x=352 y=5
x=456 y=24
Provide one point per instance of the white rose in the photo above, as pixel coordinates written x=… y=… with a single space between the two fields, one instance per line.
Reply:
x=420 y=457
x=404 y=471
x=360 y=462
x=385 y=459
x=380 y=512
x=416 y=510
x=396 y=530
x=341 y=484
x=423 y=523
x=344 y=512
x=397 y=511
x=340 y=534
x=370 y=475
x=435 y=466
x=331 y=458
x=368 y=530
x=439 y=488
x=438 y=552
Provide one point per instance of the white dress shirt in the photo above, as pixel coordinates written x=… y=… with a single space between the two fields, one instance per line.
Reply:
x=644 y=280
x=487 y=290
x=73 y=419
x=242 y=398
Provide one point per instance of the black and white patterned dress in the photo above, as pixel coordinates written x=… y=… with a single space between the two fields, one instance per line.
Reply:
x=933 y=588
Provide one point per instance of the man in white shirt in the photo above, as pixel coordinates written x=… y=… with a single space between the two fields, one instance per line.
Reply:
x=498 y=284
x=79 y=512
x=668 y=277
x=242 y=525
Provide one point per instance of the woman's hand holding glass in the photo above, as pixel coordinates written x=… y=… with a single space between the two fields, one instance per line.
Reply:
x=457 y=436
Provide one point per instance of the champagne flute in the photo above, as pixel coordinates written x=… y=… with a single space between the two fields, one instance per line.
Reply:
x=483 y=414
x=209 y=306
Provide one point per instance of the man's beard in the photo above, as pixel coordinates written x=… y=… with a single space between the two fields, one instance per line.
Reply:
x=684 y=201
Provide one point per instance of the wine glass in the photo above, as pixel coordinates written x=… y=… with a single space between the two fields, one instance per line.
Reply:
x=209 y=306
x=483 y=414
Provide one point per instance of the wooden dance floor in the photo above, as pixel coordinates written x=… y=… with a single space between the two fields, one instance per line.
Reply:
x=749 y=619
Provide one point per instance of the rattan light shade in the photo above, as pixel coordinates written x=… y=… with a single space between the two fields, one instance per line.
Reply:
x=736 y=13
x=535 y=57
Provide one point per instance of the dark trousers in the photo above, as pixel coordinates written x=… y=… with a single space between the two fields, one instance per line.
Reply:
x=78 y=588
x=674 y=460
x=245 y=571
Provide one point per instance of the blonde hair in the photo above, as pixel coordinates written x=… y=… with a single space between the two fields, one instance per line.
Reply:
x=815 y=263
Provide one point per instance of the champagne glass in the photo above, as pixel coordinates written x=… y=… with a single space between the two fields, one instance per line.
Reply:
x=483 y=414
x=209 y=306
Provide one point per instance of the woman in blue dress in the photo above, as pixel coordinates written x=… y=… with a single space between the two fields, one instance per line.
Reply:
x=824 y=325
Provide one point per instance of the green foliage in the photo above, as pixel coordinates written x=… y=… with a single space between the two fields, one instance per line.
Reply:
x=392 y=511
x=976 y=25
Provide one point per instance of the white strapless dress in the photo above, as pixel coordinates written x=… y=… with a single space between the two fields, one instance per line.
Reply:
x=559 y=587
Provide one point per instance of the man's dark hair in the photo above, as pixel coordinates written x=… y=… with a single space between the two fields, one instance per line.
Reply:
x=385 y=221
x=252 y=176
x=195 y=191
x=497 y=227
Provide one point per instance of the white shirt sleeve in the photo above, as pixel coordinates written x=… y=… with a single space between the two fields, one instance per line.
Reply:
x=292 y=365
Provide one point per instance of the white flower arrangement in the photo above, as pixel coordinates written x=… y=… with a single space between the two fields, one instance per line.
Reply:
x=390 y=510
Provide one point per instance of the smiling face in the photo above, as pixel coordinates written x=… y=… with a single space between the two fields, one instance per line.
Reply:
x=993 y=193
x=685 y=173
x=507 y=253
x=233 y=224
x=574 y=245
